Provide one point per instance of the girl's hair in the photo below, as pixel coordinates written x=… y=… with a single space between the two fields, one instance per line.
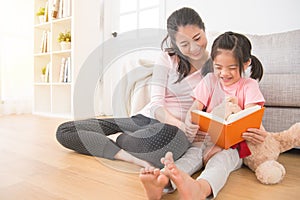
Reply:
x=241 y=48
x=182 y=17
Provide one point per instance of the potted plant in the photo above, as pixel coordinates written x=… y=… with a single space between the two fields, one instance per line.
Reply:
x=43 y=75
x=64 y=38
x=41 y=14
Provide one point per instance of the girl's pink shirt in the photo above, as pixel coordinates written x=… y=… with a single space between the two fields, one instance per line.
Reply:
x=211 y=93
x=174 y=97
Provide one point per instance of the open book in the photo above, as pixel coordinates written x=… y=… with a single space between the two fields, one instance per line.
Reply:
x=226 y=133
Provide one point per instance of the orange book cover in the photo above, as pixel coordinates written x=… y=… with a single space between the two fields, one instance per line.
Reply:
x=226 y=133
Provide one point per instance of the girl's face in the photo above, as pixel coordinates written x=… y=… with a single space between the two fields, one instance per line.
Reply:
x=226 y=68
x=191 y=41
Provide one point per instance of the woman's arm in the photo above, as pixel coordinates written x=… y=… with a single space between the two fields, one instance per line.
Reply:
x=161 y=73
x=191 y=129
x=164 y=116
x=158 y=94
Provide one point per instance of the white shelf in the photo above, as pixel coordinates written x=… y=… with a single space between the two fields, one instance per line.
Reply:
x=55 y=98
x=51 y=97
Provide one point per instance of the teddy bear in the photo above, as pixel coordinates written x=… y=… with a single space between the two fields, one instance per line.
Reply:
x=263 y=158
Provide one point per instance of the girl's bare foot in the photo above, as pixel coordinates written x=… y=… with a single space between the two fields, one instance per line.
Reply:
x=153 y=182
x=168 y=159
x=188 y=188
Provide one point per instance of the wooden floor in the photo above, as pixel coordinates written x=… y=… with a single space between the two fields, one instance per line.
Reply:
x=34 y=166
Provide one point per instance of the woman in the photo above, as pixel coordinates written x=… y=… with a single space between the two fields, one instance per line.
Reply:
x=159 y=127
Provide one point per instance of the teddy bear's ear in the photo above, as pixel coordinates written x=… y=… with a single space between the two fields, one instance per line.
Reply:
x=270 y=172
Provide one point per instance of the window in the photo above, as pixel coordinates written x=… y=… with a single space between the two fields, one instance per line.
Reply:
x=135 y=14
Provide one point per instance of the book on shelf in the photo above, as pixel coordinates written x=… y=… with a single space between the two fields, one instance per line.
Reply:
x=46 y=12
x=68 y=75
x=59 y=9
x=55 y=8
x=62 y=70
x=47 y=73
x=65 y=70
x=48 y=41
x=45 y=43
x=226 y=133
x=59 y=14
x=66 y=8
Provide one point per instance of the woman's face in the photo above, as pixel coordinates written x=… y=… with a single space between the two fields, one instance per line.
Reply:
x=191 y=41
x=226 y=68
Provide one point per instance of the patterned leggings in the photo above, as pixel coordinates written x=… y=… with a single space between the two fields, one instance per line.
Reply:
x=142 y=137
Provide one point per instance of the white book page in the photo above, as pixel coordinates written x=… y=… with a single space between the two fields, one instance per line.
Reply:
x=232 y=117
x=210 y=116
x=242 y=113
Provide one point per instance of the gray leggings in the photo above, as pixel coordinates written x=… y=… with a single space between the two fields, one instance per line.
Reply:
x=143 y=137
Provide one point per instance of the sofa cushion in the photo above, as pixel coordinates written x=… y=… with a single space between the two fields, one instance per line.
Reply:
x=281 y=89
x=280 y=118
x=278 y=52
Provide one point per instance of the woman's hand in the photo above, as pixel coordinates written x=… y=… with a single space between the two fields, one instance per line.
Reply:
x=255 y=136
x=190 y=130
x=200 y=136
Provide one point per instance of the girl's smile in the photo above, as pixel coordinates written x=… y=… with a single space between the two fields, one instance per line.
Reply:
x=226 y=68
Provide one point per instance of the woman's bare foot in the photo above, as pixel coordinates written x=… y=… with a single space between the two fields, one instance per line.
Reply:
x=188 y=188
x=154 y=182
x=125 y=156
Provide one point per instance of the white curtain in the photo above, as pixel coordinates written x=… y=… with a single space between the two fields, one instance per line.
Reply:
x=16 y=57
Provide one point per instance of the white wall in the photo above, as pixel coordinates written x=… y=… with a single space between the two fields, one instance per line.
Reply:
x=251 y=16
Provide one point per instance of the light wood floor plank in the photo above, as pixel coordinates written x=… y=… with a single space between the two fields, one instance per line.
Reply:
x=34 y=166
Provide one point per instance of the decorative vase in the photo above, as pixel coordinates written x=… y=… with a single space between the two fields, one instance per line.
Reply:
x=43 y=78
x=42 y=18
x=65 y=45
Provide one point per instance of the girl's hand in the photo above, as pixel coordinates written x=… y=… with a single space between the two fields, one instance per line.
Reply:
x=255 y=136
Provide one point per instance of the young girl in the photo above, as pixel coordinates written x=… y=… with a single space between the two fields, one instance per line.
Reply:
x=231 y=56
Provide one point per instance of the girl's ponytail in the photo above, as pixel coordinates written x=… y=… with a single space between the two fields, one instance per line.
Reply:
x=256 y=68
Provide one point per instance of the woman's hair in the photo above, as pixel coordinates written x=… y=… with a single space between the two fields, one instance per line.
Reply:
x=182 y=17
x=241 y=47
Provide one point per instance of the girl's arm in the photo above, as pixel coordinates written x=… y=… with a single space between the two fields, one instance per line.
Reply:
x=254 y=94
x=255 y=135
